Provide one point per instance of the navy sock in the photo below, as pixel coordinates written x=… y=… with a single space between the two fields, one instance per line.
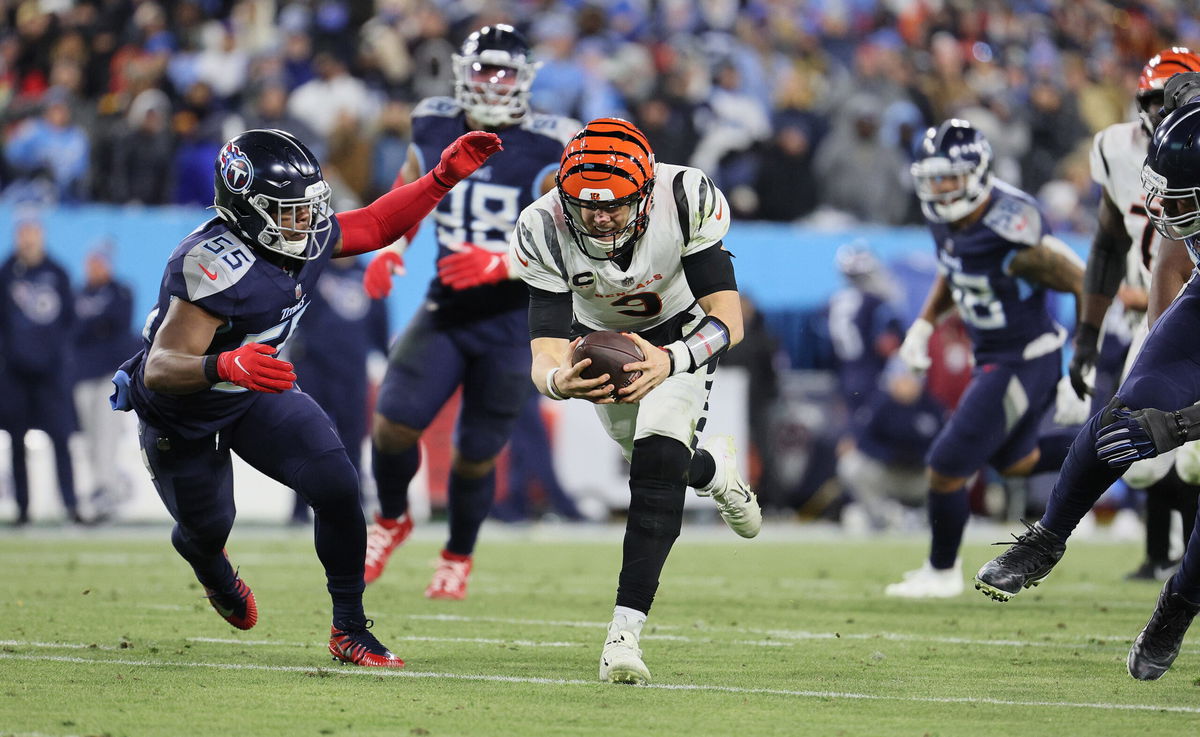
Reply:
x=1186 y=581
x=470 y=502
x=210 y=565
x=1158 y=522
x=1083 y=478
x=20 y=473
x=346 y=593
x=393 y=473
x=1054 y=446
x=948 y=514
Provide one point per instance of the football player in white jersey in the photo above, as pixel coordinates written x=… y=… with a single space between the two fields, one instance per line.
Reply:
x=1123 y=253
x=630 y=245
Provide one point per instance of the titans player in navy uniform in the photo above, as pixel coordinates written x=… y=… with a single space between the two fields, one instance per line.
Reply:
x=996 y=259
x=36 y=318
x=473 y=329
x=1154 y=410
x=342 y=327
x=207 y=381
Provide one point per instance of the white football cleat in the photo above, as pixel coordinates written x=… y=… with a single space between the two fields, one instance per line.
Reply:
x=928 y=582
x=735 y=500
x=621 y=660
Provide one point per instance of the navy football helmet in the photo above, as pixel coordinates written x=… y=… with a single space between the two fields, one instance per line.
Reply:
x=1171 y=175
x=269 y=188
x=493 y=74
x=953 y=171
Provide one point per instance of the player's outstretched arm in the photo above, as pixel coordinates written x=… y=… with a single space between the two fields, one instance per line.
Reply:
x=556 y=377
x=914 y=351
x=1172 y=268
x=395 y=213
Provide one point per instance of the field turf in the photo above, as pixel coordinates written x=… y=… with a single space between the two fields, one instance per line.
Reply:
x=106 y=633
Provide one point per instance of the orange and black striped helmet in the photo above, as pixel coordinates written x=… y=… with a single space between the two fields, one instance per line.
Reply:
x=606 y=166
x=1155 y=74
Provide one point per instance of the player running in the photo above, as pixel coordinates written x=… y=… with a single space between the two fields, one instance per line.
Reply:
x=630 y=245
x=473 y=328
x=207 y=382
x=996 y=259
x=1123 y=254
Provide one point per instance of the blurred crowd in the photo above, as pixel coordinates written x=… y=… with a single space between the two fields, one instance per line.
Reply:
x=127 y=101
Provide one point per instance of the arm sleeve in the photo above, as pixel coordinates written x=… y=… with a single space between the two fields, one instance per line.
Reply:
x=709 y=271
x=549 y=314
x=389 y=217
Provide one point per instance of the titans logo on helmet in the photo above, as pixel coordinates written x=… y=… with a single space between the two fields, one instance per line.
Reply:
x=236 y=169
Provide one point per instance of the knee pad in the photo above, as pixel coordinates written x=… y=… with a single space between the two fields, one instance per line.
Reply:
x=329 y=478
x=659 y=458
x=657 y=487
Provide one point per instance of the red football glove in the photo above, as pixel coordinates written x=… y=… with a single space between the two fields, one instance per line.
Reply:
x=465 y=155
x=471 y=266
x=377 y=278
x=254 y=367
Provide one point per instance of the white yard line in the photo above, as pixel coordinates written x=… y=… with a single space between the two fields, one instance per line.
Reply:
x=399 y=638
x=378 y=672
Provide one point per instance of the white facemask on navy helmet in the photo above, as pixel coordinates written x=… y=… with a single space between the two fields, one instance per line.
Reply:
x=952 y=171
x=493 y=75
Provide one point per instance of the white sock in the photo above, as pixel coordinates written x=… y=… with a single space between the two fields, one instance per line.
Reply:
x=628 y=620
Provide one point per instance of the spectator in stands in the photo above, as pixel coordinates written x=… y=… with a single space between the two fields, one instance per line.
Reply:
x=36 y=317
x=785 y=185
x=267 y=107
x=51 y=147
x=143 y=152
x=321 y=101
x=859 y=173
x=102 y=340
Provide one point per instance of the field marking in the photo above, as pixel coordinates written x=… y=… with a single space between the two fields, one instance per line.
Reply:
x=68 y=645
x=381 y=672
x=402 y=638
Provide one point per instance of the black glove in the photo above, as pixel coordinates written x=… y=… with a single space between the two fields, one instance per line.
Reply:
x=1179 y=90
x=1086 y=339
x=1142 y=434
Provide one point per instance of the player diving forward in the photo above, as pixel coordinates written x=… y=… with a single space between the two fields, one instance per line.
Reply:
x=996 y=259
x=472 y=330
x=1126 y=247
x=1153 y=412
x=626 y=244
x=206 y=383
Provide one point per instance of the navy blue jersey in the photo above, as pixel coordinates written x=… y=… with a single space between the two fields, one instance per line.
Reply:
x=896 y=433
x=103 y=338
x=36 y=315
x=259 y=302
x=483 y=208
x=341 y=326
x=1007 y=317
x=857 y=320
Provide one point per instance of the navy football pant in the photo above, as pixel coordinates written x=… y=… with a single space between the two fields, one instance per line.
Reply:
x=1166 y=376
x=288 y=438
x=490 y=360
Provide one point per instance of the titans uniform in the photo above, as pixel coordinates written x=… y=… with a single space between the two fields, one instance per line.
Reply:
x=475 y=337
x=1017 y=343
x=652 y=297
x=857 y=320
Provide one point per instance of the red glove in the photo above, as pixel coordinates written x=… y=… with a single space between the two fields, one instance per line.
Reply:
x=472 y=266
x=377 y=278
x=465 y=155
x=253 y=367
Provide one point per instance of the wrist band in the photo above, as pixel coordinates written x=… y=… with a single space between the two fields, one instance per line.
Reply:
x=681 y=357
x=211 y=375
x=551 y=390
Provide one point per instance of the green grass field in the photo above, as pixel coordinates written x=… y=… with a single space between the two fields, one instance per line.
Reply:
x=106 y=633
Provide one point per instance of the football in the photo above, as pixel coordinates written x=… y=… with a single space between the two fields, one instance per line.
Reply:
x=609 y=352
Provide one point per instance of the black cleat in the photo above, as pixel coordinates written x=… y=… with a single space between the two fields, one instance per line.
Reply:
x=1025 y=564
x=1153 y=570
x=1156 y=647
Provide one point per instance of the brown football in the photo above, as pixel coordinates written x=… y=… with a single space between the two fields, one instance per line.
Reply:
x=609 y=352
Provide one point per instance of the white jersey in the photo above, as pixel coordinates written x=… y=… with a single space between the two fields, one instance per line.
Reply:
x=1118 y=153
x=687 y=215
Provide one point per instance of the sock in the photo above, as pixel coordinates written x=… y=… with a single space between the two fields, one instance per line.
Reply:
x=393 y=473
x=1083 y=478
x=1158 y=522
x=20 y=473
x=628 y=620
x=470 y=502
x=1186 y=502
x=948 y=514
x=1053 y=446
x=1186 y=581
x=702 y=469
x=210 y=565
x=346 y=593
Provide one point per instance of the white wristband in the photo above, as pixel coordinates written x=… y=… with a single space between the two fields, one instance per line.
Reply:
x=551 y=390
x=681 y=357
